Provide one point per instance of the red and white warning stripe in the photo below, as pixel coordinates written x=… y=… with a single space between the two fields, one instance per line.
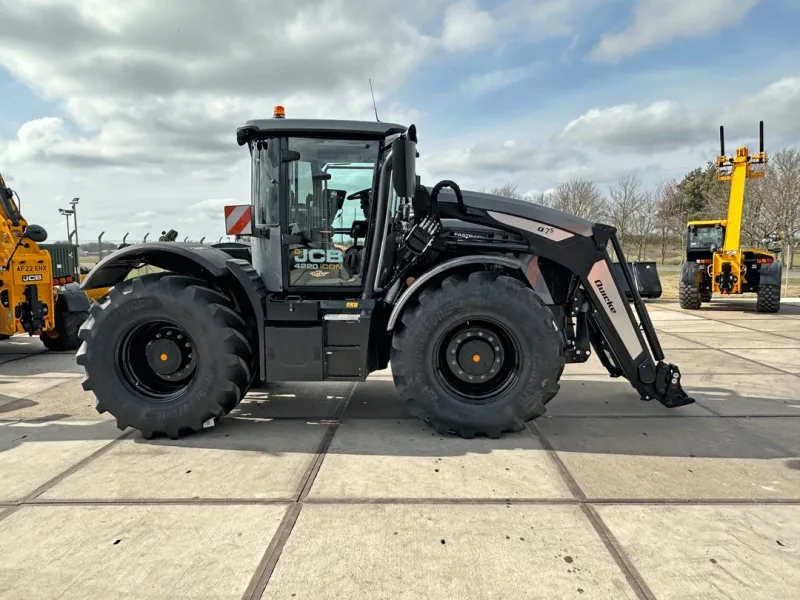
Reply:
x=239 y=219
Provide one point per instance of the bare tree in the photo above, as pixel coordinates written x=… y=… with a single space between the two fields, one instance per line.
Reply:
x=578 y=197
x=626 y=200
x=669 y=216
x=507 y=190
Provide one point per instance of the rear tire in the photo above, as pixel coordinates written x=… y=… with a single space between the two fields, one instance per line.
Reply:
x=64 y=336
x=768 y=299
x=482 y=322
x=705 y=295
x=165 y=354
x=689 y=296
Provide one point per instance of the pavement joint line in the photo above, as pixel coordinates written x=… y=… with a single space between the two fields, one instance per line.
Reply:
x=732 y=355
x=786 y=337
x=258 y=582
x=75 y=467
x=632 y=575
x=402 y=502
x=23 y=357
x=730 y=418
x=734 y=421
x=566 y=476
x=266 y=566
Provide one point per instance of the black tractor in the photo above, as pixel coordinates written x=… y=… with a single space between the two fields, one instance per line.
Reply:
x=476 y=301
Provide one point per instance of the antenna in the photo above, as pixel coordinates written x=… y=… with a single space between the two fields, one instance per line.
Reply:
x=375 y=106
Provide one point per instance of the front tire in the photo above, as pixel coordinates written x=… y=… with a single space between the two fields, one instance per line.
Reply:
x=477 y=355
x=689 y=296
x=768 y=299
x=165 y=354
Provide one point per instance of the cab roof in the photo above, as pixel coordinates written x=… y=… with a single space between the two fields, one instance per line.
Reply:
x=261 y=128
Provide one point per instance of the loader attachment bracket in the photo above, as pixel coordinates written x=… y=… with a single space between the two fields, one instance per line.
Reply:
x=624 y=346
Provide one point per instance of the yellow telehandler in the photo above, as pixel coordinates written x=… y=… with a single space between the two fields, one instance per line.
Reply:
x=715 y=261
x=31 y=301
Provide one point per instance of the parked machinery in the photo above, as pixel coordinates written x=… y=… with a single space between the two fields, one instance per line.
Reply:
x=715 y=261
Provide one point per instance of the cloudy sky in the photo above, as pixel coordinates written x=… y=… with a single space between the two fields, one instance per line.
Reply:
x=132 y=105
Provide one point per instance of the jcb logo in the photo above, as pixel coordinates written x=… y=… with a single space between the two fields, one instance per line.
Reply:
x=27 y=278
x=305 y=255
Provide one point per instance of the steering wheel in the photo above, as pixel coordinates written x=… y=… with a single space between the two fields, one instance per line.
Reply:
x=360 y=194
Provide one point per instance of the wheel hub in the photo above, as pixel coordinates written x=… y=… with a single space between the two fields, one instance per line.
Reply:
x=158 y=360
x=475 y=355
x=164 y=356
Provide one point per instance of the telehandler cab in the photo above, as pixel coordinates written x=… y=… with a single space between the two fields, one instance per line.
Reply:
x=30 y=300
x=477 y=301
x=715 y=261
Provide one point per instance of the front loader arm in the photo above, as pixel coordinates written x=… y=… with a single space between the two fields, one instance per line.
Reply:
x=625 y=347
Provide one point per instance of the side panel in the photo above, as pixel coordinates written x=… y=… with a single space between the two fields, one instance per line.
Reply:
x=607 y=296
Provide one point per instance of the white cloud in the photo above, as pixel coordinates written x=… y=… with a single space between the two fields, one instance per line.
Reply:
x=667 y=125
x=466 y=26
x=493 y=81
x=657 y=22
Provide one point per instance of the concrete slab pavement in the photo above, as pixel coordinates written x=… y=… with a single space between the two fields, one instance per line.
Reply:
x=678 y=459
x=133 y=552
x=445 y=551
x=31 y=454
x=394 y=459
x=242 y=459
x=711 y=552
x=339 y=483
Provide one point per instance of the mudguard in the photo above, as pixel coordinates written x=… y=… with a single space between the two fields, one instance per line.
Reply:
x=71 y=298
x=770 y=273
x=190 y=259
x=205 y=262
x=689 y=272
x=526 y=265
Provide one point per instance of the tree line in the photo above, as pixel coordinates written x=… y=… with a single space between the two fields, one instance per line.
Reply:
x=651 y=221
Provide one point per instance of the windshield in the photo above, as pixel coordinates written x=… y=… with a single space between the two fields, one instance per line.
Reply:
x=322 y=181
x=706 y=236
x=329 y=191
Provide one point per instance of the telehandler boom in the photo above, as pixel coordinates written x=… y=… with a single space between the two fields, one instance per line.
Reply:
x=476 y=300
x=715 y=261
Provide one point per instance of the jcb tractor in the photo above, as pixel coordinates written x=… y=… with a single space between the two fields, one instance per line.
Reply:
x=715 y=262
x=476 y=300
x=30 y=300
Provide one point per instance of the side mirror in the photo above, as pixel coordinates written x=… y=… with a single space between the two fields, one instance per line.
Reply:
x=35 y=233
x=404 y=163
x=290 y=156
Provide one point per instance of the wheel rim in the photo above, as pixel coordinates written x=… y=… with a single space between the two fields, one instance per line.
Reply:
x=157 y=359
x=478 y=360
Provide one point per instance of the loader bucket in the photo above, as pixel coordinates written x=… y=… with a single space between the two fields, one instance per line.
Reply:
x=645 y=274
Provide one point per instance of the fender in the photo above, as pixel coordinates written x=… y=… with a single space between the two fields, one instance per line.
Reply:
x=71 y=298
x=770 y=273
x=205 y=262
x=525 y=264
x=689 y=272
x=190 y=259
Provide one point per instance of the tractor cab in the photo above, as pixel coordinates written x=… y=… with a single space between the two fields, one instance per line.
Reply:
x=312 y=185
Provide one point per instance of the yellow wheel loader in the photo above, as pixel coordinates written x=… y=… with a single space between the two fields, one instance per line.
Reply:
x=31 y=300
x=715 y=261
